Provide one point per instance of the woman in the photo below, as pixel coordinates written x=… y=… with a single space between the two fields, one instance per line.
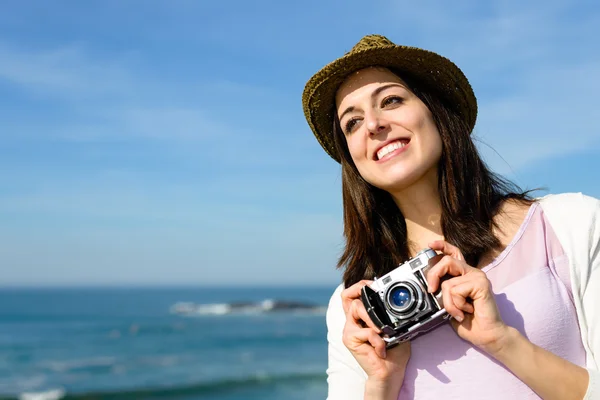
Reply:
x=525 y=289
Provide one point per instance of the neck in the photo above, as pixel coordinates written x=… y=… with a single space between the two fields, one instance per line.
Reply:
x=421 y=207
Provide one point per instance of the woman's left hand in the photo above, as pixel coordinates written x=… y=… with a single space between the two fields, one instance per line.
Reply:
x=468 y=297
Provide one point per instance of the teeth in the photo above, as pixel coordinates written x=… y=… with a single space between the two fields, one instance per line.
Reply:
x=389 y=148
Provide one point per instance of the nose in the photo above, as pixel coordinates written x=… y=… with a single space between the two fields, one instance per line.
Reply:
x=376 y=123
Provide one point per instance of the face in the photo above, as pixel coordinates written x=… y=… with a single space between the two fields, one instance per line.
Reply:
x=390 y=132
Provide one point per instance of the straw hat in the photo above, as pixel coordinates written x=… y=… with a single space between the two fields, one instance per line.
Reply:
x=433 y=70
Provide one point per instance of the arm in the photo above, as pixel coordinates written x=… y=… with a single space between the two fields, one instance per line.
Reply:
x=469 y=299
x=359 y=365
x=555 y=378
x=590 y=300
x=345 y=378
x=550 y=376
x=576 y=221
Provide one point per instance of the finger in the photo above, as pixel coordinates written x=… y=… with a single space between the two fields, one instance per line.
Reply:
x=460 y=300
x=474 y=288
x=447 y=249
x=463 y=304
x=359 y=314
x=449 y=302
x=460 y=327
x=367 y=335
x=353 y=292
x=446 y=266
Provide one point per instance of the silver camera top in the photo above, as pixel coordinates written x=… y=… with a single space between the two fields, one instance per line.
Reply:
x=406 y=269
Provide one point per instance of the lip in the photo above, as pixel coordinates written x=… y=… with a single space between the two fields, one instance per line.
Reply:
x=393 y=153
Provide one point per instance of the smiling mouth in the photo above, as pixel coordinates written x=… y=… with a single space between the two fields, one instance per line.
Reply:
x=390 y=147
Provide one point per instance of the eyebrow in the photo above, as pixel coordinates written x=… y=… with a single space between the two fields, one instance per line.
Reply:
x=373 y=95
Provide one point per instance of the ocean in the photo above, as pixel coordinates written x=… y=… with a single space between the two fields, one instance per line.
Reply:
x=150 y=343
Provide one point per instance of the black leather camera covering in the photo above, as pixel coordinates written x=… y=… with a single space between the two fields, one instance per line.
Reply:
x=376 y=310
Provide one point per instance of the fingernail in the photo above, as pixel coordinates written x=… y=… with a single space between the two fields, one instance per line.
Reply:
x=383 y=353
x=459 y=318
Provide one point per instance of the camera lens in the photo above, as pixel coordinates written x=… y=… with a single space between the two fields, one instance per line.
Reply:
x=400 y=297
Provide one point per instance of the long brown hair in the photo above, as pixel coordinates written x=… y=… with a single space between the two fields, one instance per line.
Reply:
x=471 y=194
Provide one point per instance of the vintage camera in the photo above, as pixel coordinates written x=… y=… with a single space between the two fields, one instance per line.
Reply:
x=399 y=304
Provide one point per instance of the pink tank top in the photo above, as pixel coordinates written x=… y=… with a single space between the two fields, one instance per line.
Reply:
x=530 y=279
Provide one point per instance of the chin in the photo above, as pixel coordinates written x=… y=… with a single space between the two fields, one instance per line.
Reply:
x=397 y=182
x=392 y=185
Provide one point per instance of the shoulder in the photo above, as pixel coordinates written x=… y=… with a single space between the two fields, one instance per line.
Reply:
x=571 y=201
x=575 y=220
x=571 y=208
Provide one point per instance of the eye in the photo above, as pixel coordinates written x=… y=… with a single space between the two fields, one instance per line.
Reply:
x=350 y=125
x=391 y=101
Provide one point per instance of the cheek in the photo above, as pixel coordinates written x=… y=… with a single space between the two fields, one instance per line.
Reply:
x=357 y=151
x=356 y=148
x=431 y=137
x=423 y=121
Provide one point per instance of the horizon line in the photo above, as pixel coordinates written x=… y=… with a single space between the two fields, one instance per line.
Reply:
x=169 y=286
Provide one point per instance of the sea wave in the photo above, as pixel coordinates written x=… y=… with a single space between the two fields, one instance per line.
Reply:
x=93 y=364
x=54 y=394
x=200 y=389
x=265 y=306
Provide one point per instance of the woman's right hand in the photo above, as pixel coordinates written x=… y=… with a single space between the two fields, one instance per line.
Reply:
x=361 y=337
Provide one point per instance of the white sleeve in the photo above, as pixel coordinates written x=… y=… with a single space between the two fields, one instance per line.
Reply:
x=576 y=221
x=345 y=378
x=590 y=299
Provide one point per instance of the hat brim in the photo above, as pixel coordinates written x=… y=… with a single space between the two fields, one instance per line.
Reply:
x=438 y=73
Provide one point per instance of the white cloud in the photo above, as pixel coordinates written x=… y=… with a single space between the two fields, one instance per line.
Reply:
x=121 y=98
x=118 y=97
x=64 y=73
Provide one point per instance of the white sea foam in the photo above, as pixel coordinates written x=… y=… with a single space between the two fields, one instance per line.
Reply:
x=54 y=394
x=265 y=306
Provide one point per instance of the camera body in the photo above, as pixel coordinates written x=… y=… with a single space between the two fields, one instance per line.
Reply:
x=399 y=304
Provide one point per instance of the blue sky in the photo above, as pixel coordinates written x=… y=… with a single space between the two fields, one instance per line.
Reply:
x=163 y=142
